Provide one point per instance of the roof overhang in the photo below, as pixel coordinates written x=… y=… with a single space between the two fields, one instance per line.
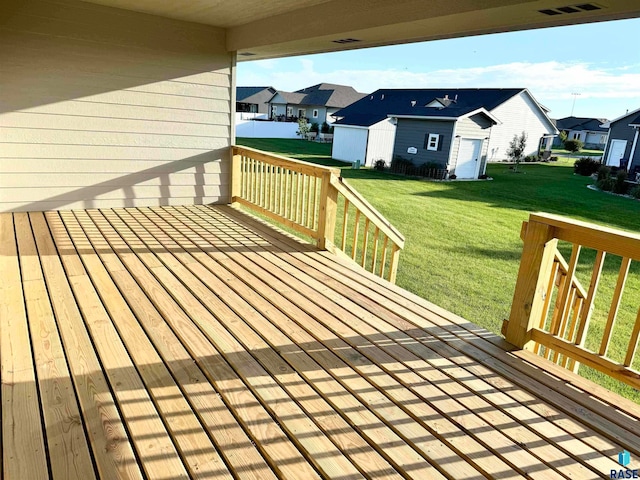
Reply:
x=483 y=111
x=276 y=28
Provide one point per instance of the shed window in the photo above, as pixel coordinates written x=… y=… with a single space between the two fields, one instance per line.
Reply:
x=433 y=141
x=315 y=114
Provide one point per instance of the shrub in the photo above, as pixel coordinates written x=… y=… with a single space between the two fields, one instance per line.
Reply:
x=325 y=127
x=620 y=185
x=573 y=146
x=314 y=128
x=379 y=165
x=635 y=192
x=531 y=158
x=603 y=172
x=453 y=176
x=402 y=165
x=606 y=184
x=553 y=159
x=586 y=166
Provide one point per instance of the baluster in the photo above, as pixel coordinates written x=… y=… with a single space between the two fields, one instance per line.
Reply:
x=365 y=243
x=615 y=305
x=633 y=342
x=564 y=292
x=547 y=301
x=299 y=197
x=393 y=265
x=383 y=260
x=309 y=222
x=376 y=235
x=356 y=230
x=345 y=220
x=315 y=203
x=291 y=191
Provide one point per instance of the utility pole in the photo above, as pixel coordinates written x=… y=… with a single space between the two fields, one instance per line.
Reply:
x=573 y=105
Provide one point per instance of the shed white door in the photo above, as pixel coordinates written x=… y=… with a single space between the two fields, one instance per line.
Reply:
x=616 y=151
x=468 y=158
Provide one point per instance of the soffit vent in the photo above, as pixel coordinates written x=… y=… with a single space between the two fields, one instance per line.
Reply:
x=246 y=54
x=346 y=40
x=581 y=7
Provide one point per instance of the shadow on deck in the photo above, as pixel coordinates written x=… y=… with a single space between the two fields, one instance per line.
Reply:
x=198 y=342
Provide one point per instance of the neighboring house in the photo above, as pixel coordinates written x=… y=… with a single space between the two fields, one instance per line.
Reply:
x=622 y=148
x=460 y=129
x=316 y=103
x=253 y=99
x=588 y=130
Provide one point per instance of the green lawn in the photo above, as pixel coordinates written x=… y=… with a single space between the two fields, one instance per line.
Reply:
x=463 y=248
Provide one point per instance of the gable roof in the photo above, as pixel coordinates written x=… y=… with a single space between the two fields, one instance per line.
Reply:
x=456 y=102
x=323 y=94
x=622 y=117
x=581 y=123
x=254 y=94
x=635 y=121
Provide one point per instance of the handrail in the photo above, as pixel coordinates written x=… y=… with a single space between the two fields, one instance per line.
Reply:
x=560 y=335
x=305 y=197
x=353 y=196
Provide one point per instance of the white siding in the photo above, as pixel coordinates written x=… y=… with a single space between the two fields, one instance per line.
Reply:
x=103 y=107
x=349 y=144
x=381 y=138
x=516 y=115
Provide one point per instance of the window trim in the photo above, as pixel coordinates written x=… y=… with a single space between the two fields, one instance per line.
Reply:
x=435 y=139
x=315 y=113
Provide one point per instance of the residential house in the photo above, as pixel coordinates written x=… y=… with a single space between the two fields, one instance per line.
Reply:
x=588 y=130
x=451 y=127
x=316 y=103
x=253 y=99
x=622 y=147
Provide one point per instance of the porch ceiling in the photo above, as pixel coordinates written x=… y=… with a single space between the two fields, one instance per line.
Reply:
x=277 y=28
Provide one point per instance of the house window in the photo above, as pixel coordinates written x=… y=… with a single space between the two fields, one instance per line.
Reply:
x=289 y=111
x=315 y=114
x=576 y=136
x=433 y=141
x=274 y=110
x=603 y=139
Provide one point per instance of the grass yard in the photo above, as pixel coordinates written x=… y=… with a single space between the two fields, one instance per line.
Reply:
x=462 y=238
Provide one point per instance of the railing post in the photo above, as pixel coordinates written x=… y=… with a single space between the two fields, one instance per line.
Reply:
x=236 y=175
x=536 y=266
x=327 y=213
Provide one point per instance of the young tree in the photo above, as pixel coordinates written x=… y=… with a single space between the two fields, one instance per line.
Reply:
x=517 y=147
x=573 y=146
x=563 y=136
x=303 y=127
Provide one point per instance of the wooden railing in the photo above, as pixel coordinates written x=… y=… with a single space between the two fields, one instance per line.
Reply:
x=545 y=278
x=305 y=197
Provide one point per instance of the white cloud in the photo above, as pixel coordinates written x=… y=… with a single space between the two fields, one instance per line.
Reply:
x=547 y=80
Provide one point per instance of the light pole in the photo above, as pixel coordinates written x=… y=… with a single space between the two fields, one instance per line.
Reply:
x=573 y=105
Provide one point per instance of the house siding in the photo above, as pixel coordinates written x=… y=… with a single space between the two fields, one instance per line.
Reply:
x=103 y=107
x=349 y=144
x=518 y=114
x=411 y=133
x=476 y=127
x=381 y=142
x=621 y=130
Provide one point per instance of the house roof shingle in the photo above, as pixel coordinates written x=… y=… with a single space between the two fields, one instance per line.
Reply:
x=254 y=94
x=323 y=94
x=581 y=124
x=461 y=101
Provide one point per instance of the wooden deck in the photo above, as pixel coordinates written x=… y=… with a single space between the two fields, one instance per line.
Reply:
x=197 y=342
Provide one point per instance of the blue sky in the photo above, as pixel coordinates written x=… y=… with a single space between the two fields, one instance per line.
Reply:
x=600 y=61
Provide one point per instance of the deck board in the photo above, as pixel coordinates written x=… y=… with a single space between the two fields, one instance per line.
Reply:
x=199 y=342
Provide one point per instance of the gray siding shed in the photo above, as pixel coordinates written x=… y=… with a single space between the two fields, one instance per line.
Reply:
x=413 y=132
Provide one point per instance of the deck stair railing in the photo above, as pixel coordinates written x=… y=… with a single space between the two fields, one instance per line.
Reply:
x=552 y=311
x=306 y=198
